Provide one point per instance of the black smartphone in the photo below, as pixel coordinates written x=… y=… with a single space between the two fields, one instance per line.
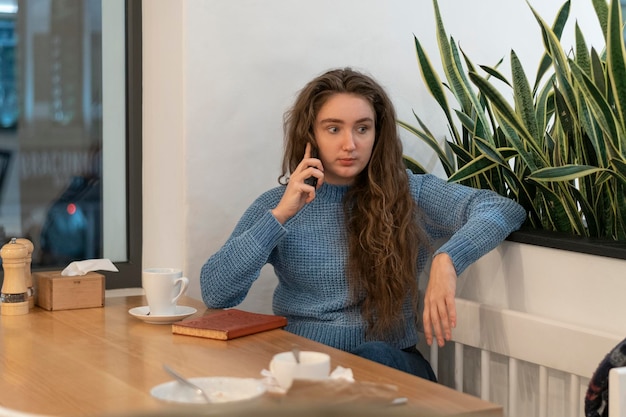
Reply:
x=312 y=181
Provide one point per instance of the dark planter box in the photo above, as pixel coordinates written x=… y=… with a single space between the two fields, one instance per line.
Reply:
x=592 y=246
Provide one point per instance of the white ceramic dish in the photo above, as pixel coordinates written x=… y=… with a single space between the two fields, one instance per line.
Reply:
x=219 y=390
x=142 y=314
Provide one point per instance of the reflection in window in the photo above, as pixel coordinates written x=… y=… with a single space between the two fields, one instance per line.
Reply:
x=51 y=128
x=8 y=87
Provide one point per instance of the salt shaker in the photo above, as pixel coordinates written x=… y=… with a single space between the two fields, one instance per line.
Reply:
x=14 y=295
x=30 y=289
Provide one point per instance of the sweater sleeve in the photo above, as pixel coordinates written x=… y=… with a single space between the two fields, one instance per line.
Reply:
x=226 y=277
x=471 y=222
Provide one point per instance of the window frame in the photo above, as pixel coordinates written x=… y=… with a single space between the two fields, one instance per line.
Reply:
x=129 y=274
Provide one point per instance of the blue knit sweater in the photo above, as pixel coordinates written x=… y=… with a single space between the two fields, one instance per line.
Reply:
x=309 y=254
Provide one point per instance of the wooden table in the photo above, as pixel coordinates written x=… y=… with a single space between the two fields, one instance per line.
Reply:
x=103 y=361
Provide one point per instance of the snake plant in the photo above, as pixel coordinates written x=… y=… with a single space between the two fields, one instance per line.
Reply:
x=558 y=147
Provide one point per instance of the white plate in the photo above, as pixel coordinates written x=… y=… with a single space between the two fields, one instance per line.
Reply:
x=219 y=390
x=142 y=314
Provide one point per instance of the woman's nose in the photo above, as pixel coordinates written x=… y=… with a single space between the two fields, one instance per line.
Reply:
x=348 y=141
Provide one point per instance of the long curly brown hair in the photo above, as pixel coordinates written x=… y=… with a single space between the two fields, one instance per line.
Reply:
x=380 y=214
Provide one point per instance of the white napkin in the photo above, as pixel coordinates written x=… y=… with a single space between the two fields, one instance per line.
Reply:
x=82 y=267
x=272 y=385
x=342 y=373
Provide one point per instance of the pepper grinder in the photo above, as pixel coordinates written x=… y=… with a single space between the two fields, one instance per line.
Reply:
x=30 y=289
x=14 y=295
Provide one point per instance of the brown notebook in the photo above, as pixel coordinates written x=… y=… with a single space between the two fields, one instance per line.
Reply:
x=228 y=324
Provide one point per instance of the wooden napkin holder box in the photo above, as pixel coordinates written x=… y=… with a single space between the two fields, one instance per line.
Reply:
x=54 y=291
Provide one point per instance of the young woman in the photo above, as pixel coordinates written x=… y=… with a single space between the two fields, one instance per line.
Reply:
x=348 y=247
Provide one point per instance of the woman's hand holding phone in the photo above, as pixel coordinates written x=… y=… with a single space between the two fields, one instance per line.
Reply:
x=301 y=187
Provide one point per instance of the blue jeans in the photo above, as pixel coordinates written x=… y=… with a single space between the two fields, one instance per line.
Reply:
x=408 y=360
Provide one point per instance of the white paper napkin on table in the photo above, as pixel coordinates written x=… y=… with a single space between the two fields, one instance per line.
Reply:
x=340 y=373
x=340 y=387
x=77 y=268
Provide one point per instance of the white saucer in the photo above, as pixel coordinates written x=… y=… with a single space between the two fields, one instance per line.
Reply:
x=142 y=314
x=219 y=390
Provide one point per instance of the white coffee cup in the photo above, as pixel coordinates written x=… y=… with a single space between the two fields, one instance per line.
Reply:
x=163 y=288
x=313 y=366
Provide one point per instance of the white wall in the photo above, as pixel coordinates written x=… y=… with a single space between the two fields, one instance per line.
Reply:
x=218 y=76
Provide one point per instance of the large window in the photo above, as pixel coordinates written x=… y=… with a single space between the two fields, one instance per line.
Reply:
x=70 y=131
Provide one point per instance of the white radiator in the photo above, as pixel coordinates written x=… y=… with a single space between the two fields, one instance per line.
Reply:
x=531 y=365
x=617 y=392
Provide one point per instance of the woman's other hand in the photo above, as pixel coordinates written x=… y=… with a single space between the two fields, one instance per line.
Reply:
x=439 y=304
x=298 y=192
